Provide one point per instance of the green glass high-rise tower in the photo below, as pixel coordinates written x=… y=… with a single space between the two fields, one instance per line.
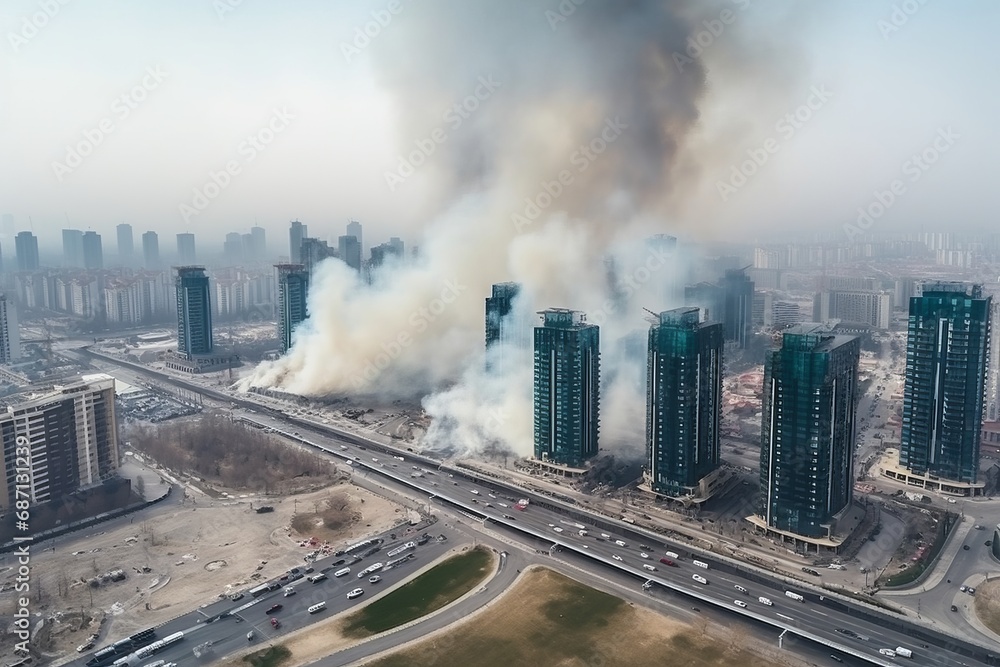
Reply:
x=194 y=312
x=947 y=347
x=293 y=291
x=808 y=430
x=567 y=387
x=683 y=400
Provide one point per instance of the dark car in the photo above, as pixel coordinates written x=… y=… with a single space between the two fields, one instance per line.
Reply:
x=310 y=569
x=273 y=608
x=965 y=546
x=954 y=608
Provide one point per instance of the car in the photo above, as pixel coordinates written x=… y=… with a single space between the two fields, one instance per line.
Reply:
x=85 y=647
x=971 y=591
x=740 y=603
x=274 y=608
x=965 y=547
x=643 y=554
x=275 y=623
x=374 y=579
x=954 y=608
x=310 y=569
x=963 y=588
x=236 y=596
x=558 y=529
x=250 y=636
x=616 y=556
x=645 y=547
x=835 y=658
x=356 y=593
x=978 y=527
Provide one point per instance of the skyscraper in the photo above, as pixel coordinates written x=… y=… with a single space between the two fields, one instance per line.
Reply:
x=126 y=246
x=708 y=297
x=233 y=249
x=947 y=344
x=808 y=429
x=258 y=244
x=151 y=250
x=185 y=249
x=194 y=312
x=737 y=306
x=72 y=435
x=293 y=292
x=683 y=401
x=354 y=229
x=993 y=372
x=504 y=326
x=26 y=247
x=10 y=336
x=396 y=244
x=313 y=251
x=72 y=248
x=566 y=388
x=349 y=250
x=93 y=252
x=296 y=233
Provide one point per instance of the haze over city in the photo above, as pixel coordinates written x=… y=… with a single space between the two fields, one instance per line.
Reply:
x=225 y=69
x=522 y=332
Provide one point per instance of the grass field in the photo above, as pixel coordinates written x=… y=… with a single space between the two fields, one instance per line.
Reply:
x=272 y=657
x=429 y=592
x=987 y=604
x=548 y=619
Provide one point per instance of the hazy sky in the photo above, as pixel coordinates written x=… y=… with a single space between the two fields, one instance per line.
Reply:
x=200 y=79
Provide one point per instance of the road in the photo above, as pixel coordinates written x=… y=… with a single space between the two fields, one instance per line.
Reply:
x=540 y=522
x=226 y=622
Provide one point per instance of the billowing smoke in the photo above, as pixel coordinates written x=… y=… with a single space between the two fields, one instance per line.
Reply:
x=562 y=154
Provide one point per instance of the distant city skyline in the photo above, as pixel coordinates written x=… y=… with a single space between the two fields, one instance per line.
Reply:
x=808 y=171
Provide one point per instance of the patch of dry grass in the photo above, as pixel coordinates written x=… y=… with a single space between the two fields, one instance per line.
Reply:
x=548 y=619
x=987 y=604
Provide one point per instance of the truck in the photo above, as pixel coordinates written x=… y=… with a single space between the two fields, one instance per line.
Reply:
x=795 y=596
x=904 y=652
x=259 y=590
x=673 y=556
x=701 y=564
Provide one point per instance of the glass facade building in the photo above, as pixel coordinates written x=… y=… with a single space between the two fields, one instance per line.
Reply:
x=737 y=306
x=194 y=312
x=293 y=290
x=808 y=430
x=566 y=388
x=683 y=400
x=947 y=348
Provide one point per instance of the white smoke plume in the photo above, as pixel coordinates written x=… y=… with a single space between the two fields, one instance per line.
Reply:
x=571 y=156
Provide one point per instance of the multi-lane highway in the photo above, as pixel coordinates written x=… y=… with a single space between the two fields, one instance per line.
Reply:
x=820 y=617
x=226 y=622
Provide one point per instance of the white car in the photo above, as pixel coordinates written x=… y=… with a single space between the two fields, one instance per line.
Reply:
x=356 y=593
x=740 y=603
x=557 y=529
x=374 y=579
x=616 y=557
x=644 y=554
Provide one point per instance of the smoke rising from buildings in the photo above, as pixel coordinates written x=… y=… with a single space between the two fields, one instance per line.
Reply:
x=550 y=177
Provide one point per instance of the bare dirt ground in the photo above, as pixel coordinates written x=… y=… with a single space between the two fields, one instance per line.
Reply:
x=987 y=604
x=194 y=552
